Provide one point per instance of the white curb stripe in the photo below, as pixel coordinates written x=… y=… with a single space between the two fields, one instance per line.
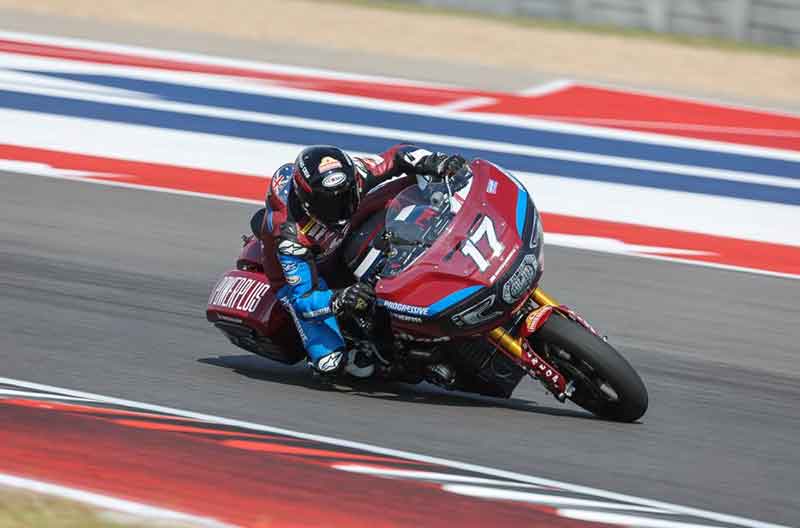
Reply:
x=533 y=123
x=349 y=444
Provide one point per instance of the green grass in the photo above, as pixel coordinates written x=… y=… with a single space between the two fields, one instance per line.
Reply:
x=20 y=509
x=561 y=25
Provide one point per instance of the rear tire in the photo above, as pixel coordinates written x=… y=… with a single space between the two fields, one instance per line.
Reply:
x=592 y=363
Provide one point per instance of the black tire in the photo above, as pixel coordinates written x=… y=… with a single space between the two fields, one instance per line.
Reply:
x=592 y=360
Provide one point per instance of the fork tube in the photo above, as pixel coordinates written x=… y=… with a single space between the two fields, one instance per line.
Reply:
x=505 y=341
x=542 y=299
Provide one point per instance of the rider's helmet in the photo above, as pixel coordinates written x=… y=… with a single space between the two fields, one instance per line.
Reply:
x=325 y=185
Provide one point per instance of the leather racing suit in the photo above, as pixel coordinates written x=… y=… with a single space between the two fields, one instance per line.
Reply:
x=294 y=244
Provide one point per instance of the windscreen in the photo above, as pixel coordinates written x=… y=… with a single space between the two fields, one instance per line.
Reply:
x=415 y=219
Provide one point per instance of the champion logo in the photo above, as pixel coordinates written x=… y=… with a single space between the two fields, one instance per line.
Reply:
x=328 y=163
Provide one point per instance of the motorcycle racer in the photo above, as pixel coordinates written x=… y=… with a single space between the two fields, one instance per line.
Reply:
x=309 y=207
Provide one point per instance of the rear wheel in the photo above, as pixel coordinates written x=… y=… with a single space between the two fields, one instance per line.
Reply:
x=604 y=382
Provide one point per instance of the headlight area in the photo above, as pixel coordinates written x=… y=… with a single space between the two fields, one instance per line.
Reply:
x=478 y=313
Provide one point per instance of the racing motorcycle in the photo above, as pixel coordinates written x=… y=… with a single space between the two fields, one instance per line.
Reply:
x=456 y=266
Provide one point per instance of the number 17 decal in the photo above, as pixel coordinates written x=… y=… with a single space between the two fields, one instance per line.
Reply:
x=470 y=248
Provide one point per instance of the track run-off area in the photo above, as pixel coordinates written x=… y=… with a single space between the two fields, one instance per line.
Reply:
x=104 y=287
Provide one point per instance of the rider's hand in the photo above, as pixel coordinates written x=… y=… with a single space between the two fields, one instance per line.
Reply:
x=353 y=300
x=442 y=165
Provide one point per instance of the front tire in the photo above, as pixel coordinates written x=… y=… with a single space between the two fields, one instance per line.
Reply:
x=605 y=383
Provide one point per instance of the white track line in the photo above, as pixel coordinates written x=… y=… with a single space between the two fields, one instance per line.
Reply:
x=719 y=517
x=467 y=104
x=558 y=240
x=737 y=218
x=626 y=519
x=672 y=125
x=547 y=88
x=392 y=134
x=526 y=122
x=428 y=476
x=22 y=394
x=543 y=498
x=105 y=502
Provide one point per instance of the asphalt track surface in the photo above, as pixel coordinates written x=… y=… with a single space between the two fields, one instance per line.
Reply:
x=103 y=289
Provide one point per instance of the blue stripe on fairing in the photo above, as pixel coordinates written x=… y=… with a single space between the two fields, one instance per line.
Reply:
x=286 y=134
x=445 y=126
x=451 y=300
x=522 y=210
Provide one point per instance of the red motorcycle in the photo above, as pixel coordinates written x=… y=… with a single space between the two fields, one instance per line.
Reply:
x=456 y=267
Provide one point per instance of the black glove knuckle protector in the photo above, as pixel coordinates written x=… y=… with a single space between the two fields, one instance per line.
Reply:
x=359 y=298
x=441 y=165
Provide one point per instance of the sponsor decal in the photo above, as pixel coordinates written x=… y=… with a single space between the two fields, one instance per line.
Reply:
x=543 y=370
x=289 y=267
x=304 y=170
x=289 y=308
x=329 y=163
x=406 y=318
x=287 y=247
x=491 y=187
x=316 y=313
x=334 y=180
x=293 y=279
x=409 y=337
x=537 y=318
x=503 y=265
x=238 y=293
x=330 y=362
x=405 y=308
x=522 y=279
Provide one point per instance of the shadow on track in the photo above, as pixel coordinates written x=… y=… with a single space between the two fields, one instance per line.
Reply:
x=258 y=368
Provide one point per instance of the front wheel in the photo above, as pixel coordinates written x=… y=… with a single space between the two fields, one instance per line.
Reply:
x=604 y=382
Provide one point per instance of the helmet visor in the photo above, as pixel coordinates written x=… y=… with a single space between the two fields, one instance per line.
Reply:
x=334 y=209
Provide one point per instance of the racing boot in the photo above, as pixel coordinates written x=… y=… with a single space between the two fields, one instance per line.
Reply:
x=328 y=367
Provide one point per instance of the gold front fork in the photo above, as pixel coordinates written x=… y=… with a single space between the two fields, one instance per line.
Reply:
x=513 y=345
x=542 y=299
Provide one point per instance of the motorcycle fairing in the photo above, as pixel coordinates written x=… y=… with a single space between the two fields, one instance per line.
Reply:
x=432 y=295
x=243 y=305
